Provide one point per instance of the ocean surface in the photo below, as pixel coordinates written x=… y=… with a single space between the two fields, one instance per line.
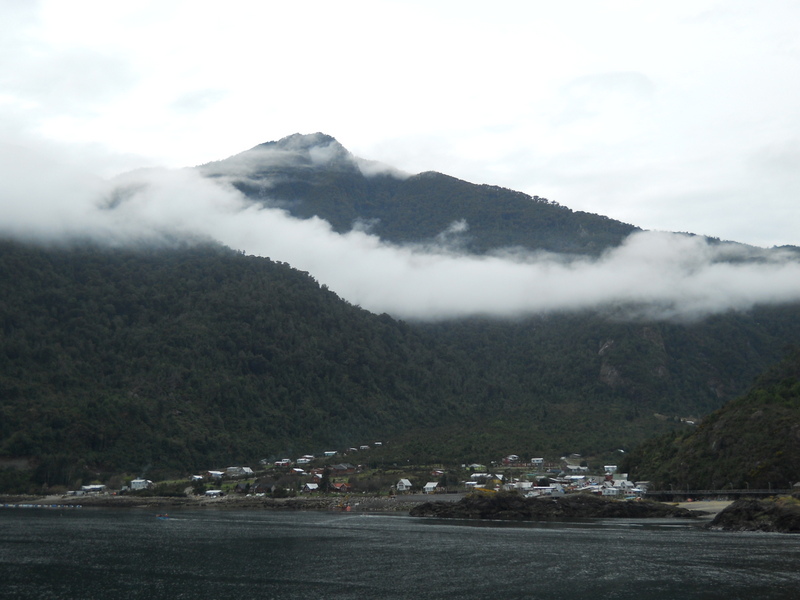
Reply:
x=104 y=553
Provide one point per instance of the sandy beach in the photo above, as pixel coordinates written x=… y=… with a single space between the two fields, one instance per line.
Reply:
x=712 y=507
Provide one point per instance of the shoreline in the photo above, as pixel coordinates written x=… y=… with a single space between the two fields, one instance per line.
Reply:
x=230 y=502
x=354 y=504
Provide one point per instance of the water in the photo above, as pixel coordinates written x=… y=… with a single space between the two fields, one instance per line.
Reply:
x=95 y=553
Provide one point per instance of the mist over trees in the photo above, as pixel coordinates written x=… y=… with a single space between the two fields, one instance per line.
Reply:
x=171 y=354
x=178 y=358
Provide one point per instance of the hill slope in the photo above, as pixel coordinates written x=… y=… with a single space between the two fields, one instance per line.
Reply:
x=753 y=441
x=196 y=356
x=180 y=358
x=177 y=358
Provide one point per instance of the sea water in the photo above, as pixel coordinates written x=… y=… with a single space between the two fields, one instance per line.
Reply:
x=105 y=553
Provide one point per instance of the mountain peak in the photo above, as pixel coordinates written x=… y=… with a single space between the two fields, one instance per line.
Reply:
x=312 y=149
x=305 y=141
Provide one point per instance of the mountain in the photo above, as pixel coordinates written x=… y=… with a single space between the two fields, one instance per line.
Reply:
x=752 y=442
x=179 y=358
x=314 y=175
x=165 y=359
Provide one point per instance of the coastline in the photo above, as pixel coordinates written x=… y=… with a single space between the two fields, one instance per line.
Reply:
x=229 y=502
x=358 y=504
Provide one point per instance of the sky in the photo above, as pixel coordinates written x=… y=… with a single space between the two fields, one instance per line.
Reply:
x=680 y=117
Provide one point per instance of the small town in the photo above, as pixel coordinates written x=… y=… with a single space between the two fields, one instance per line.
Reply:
x=340 y=473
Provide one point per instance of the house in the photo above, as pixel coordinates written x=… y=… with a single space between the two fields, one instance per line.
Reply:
x=141 y=484
x=329 y=453
x=343 y=468
x=239 y=471
x=363 y=447
x=341 y=487
x=310 y=487
x=303 y=460
x=215 y=474
x=537 y=462
x=431 y=487
x=577 y=468
x=610 y=468
x=404 y=485
x=298 y=471
x=284 y=462
x=214 y=493
x=263 y=487
x=95 y=488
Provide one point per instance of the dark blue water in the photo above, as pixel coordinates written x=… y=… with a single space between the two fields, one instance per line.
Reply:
x=93 y=553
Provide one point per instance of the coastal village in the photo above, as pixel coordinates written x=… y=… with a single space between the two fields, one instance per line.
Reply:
x=332 y=473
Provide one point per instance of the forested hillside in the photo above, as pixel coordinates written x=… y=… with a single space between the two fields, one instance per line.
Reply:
x=752 y=442
x=174 y=359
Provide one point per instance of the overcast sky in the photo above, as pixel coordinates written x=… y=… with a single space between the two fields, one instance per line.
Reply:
x=676 y=117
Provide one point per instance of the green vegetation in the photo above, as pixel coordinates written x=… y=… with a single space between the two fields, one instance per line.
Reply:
x=160 y=362
x=752 y=442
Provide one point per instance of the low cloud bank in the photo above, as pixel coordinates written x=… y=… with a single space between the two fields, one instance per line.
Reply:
x=651 y=275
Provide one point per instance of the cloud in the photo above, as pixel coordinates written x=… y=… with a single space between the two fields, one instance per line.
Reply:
x=651 y=275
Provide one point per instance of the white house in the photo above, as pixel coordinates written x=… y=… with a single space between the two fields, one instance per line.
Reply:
x=95 y=488
x=214 y=493
x=404 y=485
x=238 y=471
x=311 y=487
x=430 y=487
x=141 y=484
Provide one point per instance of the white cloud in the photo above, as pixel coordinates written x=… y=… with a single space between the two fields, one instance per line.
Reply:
x=655 y=275
x=674 y=117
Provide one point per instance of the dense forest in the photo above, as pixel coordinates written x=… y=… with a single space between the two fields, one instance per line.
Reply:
x=752 y=442
x=165 y=359
x=173 y=359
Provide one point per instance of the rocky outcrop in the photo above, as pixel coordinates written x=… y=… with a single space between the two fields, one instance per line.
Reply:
x=515 y=507
x=780 y=516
